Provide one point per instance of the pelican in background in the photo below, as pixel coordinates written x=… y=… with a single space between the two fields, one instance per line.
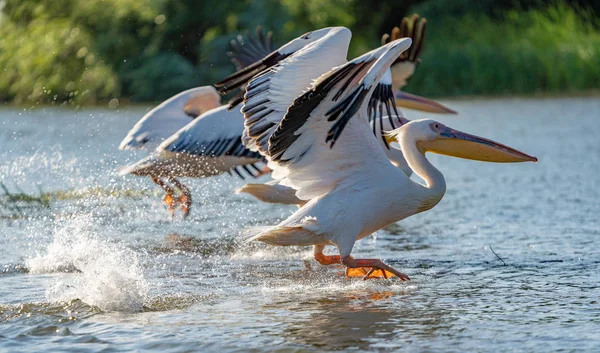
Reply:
x=196 y=112
x=212 y=143
x=400 y=73
x=169 y=116
x=319 y=140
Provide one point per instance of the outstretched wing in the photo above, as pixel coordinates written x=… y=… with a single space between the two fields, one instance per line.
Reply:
x=318 y=144
x=215 y=134
x=382 y=101
x=382 y=104
x=239 y=79
x=413 y=28
x=170 y=116
x=405 y=65
x=246 y=51
x=269 y=94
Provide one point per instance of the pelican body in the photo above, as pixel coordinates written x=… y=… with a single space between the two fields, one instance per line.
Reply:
x=210 y=145
x=321 y=145
x=194 y=136
x=393 y=81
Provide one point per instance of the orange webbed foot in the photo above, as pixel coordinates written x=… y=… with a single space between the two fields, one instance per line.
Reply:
x=186 y=204
x=371 y=268
x=171 y=203
x=368 y=273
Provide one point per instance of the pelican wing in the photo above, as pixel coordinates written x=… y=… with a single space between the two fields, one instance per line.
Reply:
x=336 y=37
x=170 y=116
x=214 y=134
x=404 y=67
x=240 y=78
x=246 y=51
x=413 y=28
x=321 y=118
x=270 y=93
x=383 y=105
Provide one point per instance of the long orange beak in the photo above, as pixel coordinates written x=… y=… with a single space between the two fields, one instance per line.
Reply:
x=412 y=101
x=459 y=144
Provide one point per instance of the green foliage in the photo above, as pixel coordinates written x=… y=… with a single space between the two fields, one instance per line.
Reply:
x=66 y=50
x=552 y=49
x=82 y=52
x=49 y=60
x=158 y=76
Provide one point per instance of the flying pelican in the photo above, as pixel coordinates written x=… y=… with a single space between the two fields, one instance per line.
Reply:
x=196 y=111
x=222 y=151
x=169 y=116
x=212 y=143
x=401 y=71
x=321 y=144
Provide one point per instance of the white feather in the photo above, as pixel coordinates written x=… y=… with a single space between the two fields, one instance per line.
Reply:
x=164 y=120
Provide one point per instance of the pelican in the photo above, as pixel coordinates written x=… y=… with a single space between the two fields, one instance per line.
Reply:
x=320 y=143
x=400 y=73
x=196 y=112
x=221 y=151
x=169 y=116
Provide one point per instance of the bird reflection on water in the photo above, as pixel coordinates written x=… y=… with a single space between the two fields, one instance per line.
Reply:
x=357 y=319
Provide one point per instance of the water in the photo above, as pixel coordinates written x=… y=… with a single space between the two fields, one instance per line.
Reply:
x=102 y=267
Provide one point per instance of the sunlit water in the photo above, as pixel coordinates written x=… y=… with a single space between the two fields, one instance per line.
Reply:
x=102 y=267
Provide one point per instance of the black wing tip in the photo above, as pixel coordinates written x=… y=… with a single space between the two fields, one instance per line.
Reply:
x=383 y=96
x=299 y=112
x=414 y=28
x=342 y=115
x=250 y=169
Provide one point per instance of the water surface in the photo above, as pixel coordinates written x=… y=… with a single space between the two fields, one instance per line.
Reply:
x=99 y=265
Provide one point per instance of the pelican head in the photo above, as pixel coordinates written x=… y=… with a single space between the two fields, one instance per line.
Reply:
x=433 y=136
x=312 y=37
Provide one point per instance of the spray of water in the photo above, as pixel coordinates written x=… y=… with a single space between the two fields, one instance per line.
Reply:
x=102 y=273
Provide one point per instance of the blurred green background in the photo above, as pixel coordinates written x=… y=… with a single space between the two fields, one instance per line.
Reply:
x=89 y=52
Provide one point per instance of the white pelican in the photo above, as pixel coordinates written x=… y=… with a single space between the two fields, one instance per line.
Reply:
x=176 y=112
x=401 y=71
x=169 y=116
x=322 y=146
x=195 y=112
x=221 y=151
x=212 y=143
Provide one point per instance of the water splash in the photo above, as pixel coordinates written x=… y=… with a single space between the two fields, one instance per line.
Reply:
x=108 y=275
x=40 y=168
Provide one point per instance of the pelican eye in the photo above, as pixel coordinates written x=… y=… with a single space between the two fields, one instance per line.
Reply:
x=437 y=126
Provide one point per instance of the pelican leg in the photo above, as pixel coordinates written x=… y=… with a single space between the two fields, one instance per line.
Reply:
x=186 y=196
x=169 y=199
x=325 y=259
x=370 y=268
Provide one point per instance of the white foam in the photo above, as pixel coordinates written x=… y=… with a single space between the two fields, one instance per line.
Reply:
x=41 y=168
x=106 y=274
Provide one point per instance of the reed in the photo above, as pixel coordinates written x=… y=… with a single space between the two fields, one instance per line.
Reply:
x=17 y=201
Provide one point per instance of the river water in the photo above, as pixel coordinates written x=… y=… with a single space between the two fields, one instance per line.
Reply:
x=98 y=265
